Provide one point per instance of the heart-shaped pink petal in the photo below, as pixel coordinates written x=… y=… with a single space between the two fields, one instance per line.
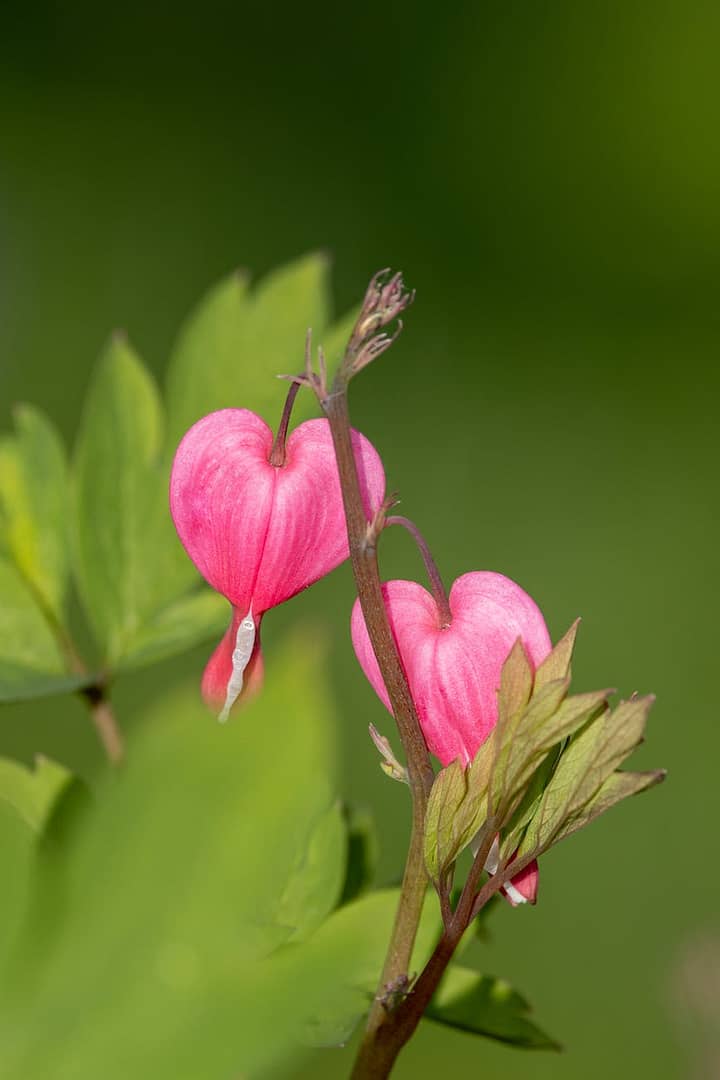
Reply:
x=454 y=671
x=256 y=532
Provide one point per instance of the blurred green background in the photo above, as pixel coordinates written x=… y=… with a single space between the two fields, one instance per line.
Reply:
x=547 y=177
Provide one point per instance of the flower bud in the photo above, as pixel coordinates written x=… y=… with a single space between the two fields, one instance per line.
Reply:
x=257 y=532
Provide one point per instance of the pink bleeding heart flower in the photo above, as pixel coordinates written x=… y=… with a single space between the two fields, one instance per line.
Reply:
x=259 y=533
x=453 y=668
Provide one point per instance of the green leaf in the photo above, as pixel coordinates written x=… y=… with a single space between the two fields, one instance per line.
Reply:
x=484 y=1005
x=345 y=958
x=129 y=563
x=236 y=342
x=153 y=950
x=34 y=503
x=362 y=854
x=32 y=793
x=316 y=880
x=189 y=621
x=516 y=682
x=589 y=759
x=442 y=838
x=618 y=786
x=31 y=664
x=557 y=664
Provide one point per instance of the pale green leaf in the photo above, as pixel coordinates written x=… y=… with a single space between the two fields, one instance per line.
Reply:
x=590 y=757
x=31 y=664
x=236 y=342
x=129 y=563
x=448 y=792
x=346 y=956
x=32 y=792
x=362 y=853
x=34 y=505
x=487 y=1006
x=150 y=952
x=557 y=664
x=618 y=786
x=191 y=620
x=316 y=880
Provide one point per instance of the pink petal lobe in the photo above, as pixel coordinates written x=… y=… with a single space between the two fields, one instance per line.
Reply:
x=219 y=668
x=256 y=532
x=524 y=887
x=221 y=495
x=454 y=672
x=307 y=534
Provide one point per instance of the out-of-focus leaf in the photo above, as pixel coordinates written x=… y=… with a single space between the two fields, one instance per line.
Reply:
x=32 y=792
x=149 y=952
x=186 y=622
x=362 y=854
x=30 y=661
x=313 y=889
x=486 y=1006
x=17 y=843
x=129 y=563
x=345 y=958
x=34 y=506
x=236 y=342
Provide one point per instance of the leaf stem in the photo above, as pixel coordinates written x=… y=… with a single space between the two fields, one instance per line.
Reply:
x=103 y=717
x=437 y=587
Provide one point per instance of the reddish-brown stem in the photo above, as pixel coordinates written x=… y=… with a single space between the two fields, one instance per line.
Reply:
x=437 y=587
x=277 y=454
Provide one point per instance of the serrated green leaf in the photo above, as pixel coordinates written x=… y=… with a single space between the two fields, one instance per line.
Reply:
x=618 y=786
x=590 y=757
x=557 y=664
x=441 y=840
x=487 y=1006
x=362 y=853
x=527 y=736
x=189 y=621
x=153 y=936
x=236 y=342
x=34 y=500
x=313 y=889
x=129 y=563
x=32 y=792
x=516 y=682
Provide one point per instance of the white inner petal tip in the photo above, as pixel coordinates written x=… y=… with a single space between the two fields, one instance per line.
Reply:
x=244 y=645
x=515 y=895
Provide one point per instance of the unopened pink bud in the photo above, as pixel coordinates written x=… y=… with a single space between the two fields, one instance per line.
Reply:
x=257 y=532
x=454 y=670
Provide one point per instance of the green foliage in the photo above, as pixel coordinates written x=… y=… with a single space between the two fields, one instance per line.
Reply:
x=362 y=854
x=155 y=942
x=139 y=591
x=128 y=563
x=237 y=340
x=32 y=793
x=540 y=774
x=34 y=505
x=486 y=1006
x=30 y=658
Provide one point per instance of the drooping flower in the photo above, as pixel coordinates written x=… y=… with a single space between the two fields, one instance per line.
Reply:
x=453 y=667
x=259 y=533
